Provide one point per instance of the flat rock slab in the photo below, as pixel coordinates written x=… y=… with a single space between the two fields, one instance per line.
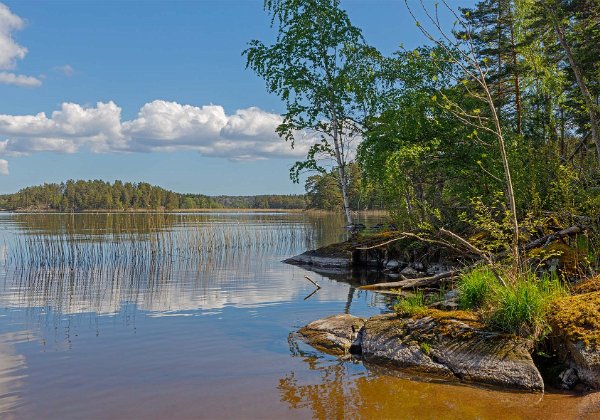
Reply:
x=451 y=345
x=443 y=345
x=316 y=259
x=336 y=334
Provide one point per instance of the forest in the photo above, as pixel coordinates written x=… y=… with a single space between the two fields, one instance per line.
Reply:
x=496 y=114
x=99 y=195
x=483 y=141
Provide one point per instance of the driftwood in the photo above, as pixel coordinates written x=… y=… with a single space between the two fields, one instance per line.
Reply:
x=413 y=283
x=545 y=240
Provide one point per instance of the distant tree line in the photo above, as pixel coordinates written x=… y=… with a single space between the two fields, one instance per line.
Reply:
x=96 y=195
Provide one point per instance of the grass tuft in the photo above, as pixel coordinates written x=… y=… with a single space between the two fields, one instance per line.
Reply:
x=522 y=307
x=476 y=288
x=411 y=305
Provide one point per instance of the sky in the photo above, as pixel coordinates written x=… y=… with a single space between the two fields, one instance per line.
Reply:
x=152 y=91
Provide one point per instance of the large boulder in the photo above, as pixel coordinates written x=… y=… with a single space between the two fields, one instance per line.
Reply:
x=450 y=344
x=575 y=325
x=336 y=334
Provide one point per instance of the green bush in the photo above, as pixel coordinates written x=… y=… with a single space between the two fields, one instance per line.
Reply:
x=522 y=307
x=476 y=288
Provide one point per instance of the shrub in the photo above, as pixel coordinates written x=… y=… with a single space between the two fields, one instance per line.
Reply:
x=476 y=288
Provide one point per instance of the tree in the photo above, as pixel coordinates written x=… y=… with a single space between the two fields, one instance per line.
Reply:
x=323 y=70
x=556 y=12
x=460 y=48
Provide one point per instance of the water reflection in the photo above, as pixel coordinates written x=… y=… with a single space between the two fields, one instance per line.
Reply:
x=340 y=390
x=12 y=371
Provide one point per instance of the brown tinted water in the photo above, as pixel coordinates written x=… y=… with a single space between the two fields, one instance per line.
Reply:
x=188 y=316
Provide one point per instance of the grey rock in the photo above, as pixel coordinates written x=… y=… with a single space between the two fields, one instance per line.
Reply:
x=314 y=259
x=585 y=360
x=451 y=294
x=410 y=272
x=417 y=266
x=446 y=347
x=337 y=334
x=392 y=264
x=448 y=305
x=569 y=378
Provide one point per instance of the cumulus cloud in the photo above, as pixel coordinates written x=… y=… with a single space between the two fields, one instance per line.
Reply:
x=160 y=126
x=3 y=167
x=11 y=51
x=19 y=80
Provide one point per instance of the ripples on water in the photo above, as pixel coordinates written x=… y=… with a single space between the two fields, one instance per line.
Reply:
x=188 y=315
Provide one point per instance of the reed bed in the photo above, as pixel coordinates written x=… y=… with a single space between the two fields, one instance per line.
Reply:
x=97 y=269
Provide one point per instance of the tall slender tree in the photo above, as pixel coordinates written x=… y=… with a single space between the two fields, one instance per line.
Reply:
x=322 y=68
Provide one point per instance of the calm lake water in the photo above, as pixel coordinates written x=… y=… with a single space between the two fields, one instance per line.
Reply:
x=189 y=316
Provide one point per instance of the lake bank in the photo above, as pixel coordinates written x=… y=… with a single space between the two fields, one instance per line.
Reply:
x=436 y=338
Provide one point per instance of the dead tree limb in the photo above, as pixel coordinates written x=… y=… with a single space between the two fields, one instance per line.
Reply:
x=545 y=240
x=487 y=258
x=413 y=283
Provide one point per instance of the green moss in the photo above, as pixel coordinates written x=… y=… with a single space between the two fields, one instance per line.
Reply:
x=578 y=318
x=587 y=286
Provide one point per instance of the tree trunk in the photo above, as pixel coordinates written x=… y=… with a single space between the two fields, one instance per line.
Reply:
x=341 y=162
x=510 y=194
x=518 y=106
x=344 y=188
x=582 y=85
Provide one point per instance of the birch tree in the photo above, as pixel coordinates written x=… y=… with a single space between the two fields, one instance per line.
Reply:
x=322 y=68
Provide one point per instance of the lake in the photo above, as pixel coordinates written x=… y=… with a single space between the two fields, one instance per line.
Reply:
x=189 y=316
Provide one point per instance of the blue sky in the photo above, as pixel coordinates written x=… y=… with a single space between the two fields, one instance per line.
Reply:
x=151 y=91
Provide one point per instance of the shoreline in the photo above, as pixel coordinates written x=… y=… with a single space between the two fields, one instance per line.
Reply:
x=314 y=212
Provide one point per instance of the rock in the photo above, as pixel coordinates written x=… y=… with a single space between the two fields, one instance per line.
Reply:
x=451 y=294
x=392 y=264
x=450 y=345
x=417 y=266
x=436 y=269
x=337 y=334
x=410 y=272
x=448 y=304
x=317 y=259
x=569 y=378
x=575 y=322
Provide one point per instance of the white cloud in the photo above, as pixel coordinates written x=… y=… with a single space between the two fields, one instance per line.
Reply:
x=3 y=167
x=160 y=126
x=65 y=70
x=19 y=80
x=10 y=51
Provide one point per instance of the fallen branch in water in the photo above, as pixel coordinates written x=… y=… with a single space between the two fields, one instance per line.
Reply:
x=313 y=282
x=413 y=283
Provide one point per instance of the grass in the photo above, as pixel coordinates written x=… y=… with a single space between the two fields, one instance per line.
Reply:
x=412 y=305
x=475 y=288
x=523 y=306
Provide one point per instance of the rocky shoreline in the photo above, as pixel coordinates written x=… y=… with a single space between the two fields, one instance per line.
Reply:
x=455 y=345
